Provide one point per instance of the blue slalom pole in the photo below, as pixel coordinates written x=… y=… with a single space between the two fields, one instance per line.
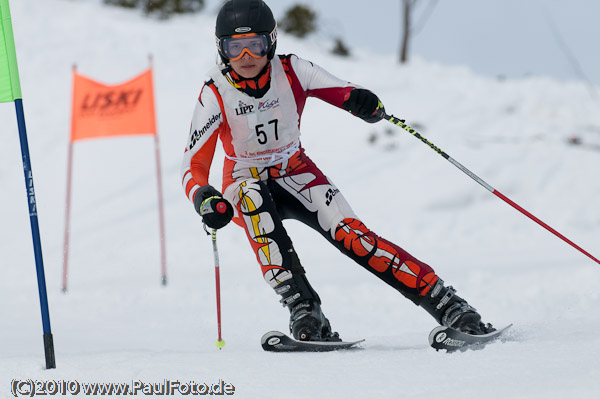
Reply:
x=35 y=232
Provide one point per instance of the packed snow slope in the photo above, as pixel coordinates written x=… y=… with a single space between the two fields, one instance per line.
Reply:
x=117 y=323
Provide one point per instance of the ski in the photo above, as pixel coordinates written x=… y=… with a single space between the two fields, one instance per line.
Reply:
x=453 y=340
x=276 y=341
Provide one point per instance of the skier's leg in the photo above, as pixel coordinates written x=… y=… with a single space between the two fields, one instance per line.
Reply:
x=414 y=279
x=307 y=195
x=279 y=262
x=310 y=197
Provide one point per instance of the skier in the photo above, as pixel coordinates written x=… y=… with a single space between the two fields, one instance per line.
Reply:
x=253 y=102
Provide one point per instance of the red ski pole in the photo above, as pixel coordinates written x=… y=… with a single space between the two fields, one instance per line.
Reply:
x=220 y=343
x=400 y=122
x=220 y=207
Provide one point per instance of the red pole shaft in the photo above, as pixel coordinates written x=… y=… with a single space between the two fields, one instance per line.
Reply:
x=68 y=200
x=217 y=282
x=67 y=219
x=161 y=214
x=400 y=122
x=544 y=225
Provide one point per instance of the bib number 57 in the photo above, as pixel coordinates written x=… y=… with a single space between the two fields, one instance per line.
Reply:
x=262 y=135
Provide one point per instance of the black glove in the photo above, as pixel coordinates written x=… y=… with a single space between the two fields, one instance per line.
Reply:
x=216 y=212
x=364 y=104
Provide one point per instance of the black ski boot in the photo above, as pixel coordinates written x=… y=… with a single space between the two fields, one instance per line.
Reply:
x=452 y=311
x=307 y=322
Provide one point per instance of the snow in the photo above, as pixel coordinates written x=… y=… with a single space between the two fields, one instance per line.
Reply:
x=117 y=323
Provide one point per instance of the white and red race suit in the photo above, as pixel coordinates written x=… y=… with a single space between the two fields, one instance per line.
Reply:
x=267 y=176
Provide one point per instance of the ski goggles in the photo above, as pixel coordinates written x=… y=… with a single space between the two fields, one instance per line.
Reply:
x=234 y=47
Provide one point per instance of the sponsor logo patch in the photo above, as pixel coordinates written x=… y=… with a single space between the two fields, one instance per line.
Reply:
x=329 y=195
x=268 y=104
x=244 y=109
x=199 y=133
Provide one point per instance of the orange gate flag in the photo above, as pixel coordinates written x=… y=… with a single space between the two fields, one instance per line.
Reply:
x=101 y=110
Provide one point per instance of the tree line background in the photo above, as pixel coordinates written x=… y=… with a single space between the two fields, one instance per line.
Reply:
x=299 y=20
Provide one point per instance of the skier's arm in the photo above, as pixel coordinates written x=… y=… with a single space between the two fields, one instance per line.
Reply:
x=206 y=124
x=317 y=82
x=201 y=144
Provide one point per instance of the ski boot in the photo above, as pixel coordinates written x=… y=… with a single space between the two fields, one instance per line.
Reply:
x=307 y=322
x=452 y=311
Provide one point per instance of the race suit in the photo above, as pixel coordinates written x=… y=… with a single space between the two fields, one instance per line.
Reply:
x=268 y=177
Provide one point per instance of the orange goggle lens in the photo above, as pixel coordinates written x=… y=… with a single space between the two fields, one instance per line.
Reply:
x=235 y=47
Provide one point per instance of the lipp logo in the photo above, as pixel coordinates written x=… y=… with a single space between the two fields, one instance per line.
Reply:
x=244 y=109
